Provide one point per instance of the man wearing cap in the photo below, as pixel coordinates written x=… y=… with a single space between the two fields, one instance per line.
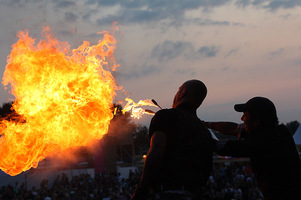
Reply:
x=179 y=161
x=270 y=147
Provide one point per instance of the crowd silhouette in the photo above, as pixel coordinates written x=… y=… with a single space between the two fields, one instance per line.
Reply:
x=233 y=181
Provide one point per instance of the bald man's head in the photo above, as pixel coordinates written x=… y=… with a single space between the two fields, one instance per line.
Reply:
x=192 y=92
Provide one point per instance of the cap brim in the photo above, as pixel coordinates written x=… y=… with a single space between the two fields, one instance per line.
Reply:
x=240 y=107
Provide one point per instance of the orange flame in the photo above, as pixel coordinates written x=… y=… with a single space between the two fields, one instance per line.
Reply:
x=137 y=112
x=64 y=98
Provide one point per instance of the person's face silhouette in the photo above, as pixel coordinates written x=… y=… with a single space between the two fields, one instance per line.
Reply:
x=178 y=97
x=250 y=124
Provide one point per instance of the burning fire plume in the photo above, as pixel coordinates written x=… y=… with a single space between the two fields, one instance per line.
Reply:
x=63 y=98
x=137 y=111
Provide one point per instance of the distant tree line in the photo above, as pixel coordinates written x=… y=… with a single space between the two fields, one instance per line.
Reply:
x=122 y=124
x=292 y=126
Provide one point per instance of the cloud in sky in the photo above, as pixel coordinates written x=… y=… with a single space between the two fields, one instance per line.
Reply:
x=141 y=71
x=70 y=17
x=277 y=52
x=270 y=5
x=169 y=50
x=208 y=51
x=239 y=48
x=156 y=11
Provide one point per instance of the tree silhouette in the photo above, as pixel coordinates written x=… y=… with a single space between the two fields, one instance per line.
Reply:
x=292 y=126
x=141 y=139
x=122 y=125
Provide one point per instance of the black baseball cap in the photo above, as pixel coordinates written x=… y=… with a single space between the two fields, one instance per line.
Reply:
x=257 y=105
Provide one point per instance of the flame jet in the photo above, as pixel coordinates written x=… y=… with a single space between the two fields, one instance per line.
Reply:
x=63 y=96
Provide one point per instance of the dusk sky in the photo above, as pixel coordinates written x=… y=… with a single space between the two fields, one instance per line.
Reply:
x=238 y=48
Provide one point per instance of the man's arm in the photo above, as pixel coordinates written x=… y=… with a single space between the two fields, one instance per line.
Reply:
x=152 y=164
x=226 y=128
x=240 y=148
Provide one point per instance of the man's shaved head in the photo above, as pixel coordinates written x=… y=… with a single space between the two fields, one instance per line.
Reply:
x=192 y=92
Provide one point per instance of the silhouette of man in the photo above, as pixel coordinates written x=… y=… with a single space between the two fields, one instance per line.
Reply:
x=271 y=148
x=179 y=160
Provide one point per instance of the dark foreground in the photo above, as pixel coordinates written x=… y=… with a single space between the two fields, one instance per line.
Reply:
x=226 y=183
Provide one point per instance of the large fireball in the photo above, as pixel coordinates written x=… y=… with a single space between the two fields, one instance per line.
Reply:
x=63 y=98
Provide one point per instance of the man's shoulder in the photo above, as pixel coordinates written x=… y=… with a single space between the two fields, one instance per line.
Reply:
x=169 y=112
x=164 y=120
